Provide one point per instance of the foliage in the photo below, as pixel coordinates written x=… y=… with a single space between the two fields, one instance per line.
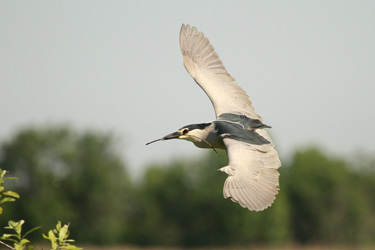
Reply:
x=80 y=178
x=59 y=238
x=19 y=240
x=322 y=199
x=327 y=195
x=6 y=196
x=68 y=176
x=182 y=204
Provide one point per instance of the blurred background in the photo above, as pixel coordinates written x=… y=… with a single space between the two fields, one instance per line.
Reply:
x=84 y=85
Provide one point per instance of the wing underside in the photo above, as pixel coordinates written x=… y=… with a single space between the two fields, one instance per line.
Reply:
x=253 y=179
x=205 y=66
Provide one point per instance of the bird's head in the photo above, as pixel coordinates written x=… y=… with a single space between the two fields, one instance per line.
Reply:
x=196 y=133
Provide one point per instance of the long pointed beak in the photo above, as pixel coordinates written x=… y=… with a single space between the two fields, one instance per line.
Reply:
x=174 y=135
x=171 y=136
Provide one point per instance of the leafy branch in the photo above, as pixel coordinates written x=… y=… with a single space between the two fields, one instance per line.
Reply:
x=59 y=238
x=19 y=240
x=6 y=196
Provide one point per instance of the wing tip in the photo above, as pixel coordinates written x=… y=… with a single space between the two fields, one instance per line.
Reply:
x=252 y=206
x=255 y=197
x=195 y=45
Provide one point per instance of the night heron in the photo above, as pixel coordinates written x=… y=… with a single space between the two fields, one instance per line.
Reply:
x=253 y=178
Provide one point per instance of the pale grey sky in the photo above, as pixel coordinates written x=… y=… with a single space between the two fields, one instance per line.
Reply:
x=308 y=67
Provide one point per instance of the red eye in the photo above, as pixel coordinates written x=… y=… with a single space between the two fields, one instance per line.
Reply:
x=185 y=131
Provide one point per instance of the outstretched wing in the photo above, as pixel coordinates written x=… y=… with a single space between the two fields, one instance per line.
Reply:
x=253 y=180
x=253 y=177
x=205 y=66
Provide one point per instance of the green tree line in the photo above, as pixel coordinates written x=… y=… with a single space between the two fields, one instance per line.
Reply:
x=78 y=177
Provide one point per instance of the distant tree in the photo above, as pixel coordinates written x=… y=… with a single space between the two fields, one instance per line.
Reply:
x=79 y=177
x=69 y=176
x=182 y=203
x=327 y=199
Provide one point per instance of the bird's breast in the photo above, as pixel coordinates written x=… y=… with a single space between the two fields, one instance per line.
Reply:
x=214 y=141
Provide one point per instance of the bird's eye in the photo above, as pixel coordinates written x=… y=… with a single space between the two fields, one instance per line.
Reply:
x=185 y=131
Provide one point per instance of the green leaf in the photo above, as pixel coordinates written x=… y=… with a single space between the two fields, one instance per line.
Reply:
x=51 y=236
x=11 y=178
x=16 y=226
x=30 y=231
x=18 y=246
x=24 y=242
x=2 y=173
x=58 y=226
x=12 y=194
x=8 y=236
x=63 y=233
x=7 y=199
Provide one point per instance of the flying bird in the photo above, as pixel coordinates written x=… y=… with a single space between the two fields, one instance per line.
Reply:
x=253 y=179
